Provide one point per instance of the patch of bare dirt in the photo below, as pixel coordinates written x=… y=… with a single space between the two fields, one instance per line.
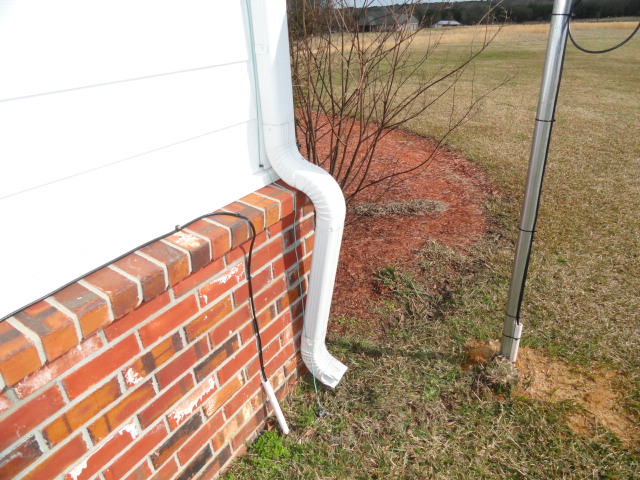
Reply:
x=548 y=380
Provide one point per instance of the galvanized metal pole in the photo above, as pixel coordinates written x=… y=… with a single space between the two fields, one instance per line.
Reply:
x=537 y=160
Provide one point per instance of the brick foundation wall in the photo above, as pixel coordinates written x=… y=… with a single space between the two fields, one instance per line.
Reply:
x=148 y=368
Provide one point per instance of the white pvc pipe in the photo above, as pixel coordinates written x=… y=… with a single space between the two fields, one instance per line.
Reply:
x=276 y=100
x=273 y=400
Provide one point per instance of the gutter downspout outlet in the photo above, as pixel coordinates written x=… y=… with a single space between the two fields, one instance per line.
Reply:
x=276 y=100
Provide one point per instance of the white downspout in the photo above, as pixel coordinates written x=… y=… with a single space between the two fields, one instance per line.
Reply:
x=276 y=100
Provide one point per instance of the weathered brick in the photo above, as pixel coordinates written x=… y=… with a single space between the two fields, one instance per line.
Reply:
x=156 y=357
x=122 y=292
x=269 y=207
x=266 y=254
x=170 y=320
x=225 y=392
x=165 y=401
x=99 y=457
x=5 y=403
x=55 y=329
x=255 y=215
x=29 y=415
x=239 y=228
x=214 y=466
x=58 y=367
x=200 y=438
x=284 y=198
x=122 y=411
x=191 y=402
x=135 y=453
x=79 y=381
x=192 y=281
x=242 y=396
x=70 y=421
x=208 y=319
x=274 y=362
x=175 y=260
x=219 y=236
x=143 y=472
x=224 y=329
x=196 y=464
x=151 y=275
x=237 y=362
x=250 y=428
x=139 y=315
x=162 y=453
x=167 y=472
x=91 y=309
x=199 y=249
x=18 y=355
x=57 y=461
x=182 y=363
x=19 y=458
x=242 y=251
x=213 y=289
x=284 y=224
x=219 y=355
x=269 y=294
x=259 y=280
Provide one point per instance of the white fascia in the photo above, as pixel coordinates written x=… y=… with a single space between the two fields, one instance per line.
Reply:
x=276 y=100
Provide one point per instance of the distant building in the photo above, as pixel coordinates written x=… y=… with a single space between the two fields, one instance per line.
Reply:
x=385 y=21
x=447 y=23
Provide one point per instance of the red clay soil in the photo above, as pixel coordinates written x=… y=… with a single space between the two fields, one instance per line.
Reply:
x=373 y=242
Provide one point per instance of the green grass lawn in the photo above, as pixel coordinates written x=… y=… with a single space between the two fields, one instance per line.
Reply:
x=406 y=409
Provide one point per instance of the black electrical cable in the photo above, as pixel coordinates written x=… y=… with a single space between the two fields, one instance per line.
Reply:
x=178 y=228
x=598 y=52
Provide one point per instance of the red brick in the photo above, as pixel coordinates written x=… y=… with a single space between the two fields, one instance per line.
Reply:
x=175 y=260
x=117 y=415
x=167 y=472
x=225 y=392
x=247 y=432
x=197 y=464
x=219 y=236
x=100 y=367
x=277 y=361
x=242 y=251
x=290 y=297
x=219 y=355
x=151 y=275
x=57 y=461
x=29 y=415
x=5 y=403
x=102 y=455
x=143 y=472
x=19 y=458
x=165 y=401
x=199 y=249
x=199 y=277
x=255 y=215
x=156 y=357
x=229 y=326
x=70 y=421
x=18 y=354
x=181 y=364
x=283 y=263
x=266 y=254
x=200 y=438
x=213 y=467
x=191 y=402
x=240 y=398
x=216 y=288
x=168 y=321
x=269 y=294
x=208 y=319
x=135 y=453
x=278 y=227
x=91 y=309
x=270 y=207
x=122 y=292
x=55 y=329
x=55 y=369
x=163 y=452
x=284 y=198
x=239 y=228
x=237 y=362
x=241 y=294
x=139 y=315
